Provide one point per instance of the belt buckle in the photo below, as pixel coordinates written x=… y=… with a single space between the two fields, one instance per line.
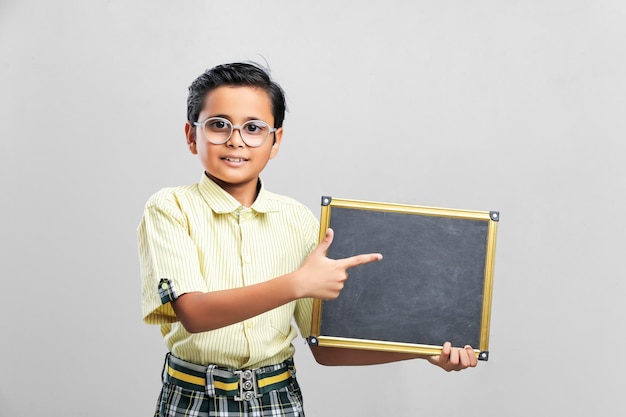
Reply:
x=248 y=388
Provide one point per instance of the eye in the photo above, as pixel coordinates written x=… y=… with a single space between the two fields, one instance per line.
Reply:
x=255 y=127
x=218 y=124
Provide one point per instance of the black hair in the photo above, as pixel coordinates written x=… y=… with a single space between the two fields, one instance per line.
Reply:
x=237 y=74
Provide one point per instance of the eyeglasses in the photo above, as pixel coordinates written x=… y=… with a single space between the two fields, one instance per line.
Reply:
x=218 y=130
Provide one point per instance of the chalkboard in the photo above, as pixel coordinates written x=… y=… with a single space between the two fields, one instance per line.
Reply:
x=433 y=285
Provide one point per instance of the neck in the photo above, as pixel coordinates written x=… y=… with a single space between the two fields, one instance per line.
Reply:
x=245 y=193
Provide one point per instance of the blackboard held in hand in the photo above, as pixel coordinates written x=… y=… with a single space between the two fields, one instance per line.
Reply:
x=433 y=285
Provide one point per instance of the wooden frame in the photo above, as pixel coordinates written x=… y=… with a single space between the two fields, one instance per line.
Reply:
x=433 y=285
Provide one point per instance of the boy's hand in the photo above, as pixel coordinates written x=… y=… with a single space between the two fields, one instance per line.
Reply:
x=323 y=278
x=454 y=359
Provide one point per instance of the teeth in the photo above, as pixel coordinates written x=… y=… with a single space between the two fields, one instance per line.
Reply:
x=234 y=159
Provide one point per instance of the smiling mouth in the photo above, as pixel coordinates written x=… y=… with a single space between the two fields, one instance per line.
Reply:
x=231 y=159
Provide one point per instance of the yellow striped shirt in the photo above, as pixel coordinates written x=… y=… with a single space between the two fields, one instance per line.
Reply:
x=201 y=239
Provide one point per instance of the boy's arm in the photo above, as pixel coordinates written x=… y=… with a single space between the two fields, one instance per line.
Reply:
x=317 y=277
x=451 y=359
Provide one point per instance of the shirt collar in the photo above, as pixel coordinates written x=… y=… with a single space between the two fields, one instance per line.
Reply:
x=222 y=202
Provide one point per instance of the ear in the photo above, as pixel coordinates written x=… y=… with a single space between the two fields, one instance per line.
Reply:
x=278 y=137
x=190 y=134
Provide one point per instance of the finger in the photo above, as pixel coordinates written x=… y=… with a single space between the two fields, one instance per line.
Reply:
x=445 y=352
x=323 y=246
x=362 y=259
x=464 y=358
x=472 y=356
x=454 y=356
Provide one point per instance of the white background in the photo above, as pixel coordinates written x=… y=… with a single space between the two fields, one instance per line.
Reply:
x=515 y=106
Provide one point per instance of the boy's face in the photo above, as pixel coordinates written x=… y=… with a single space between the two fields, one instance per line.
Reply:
x=234 y=165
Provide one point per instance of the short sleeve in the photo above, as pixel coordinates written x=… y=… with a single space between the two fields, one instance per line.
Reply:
x=168 y=261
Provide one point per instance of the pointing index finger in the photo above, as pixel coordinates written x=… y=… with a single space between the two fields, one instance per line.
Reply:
x=361 y=259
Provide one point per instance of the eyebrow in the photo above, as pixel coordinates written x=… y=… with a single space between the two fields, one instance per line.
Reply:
x=225 y=116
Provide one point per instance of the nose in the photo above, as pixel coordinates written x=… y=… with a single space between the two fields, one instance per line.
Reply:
x=236 y=141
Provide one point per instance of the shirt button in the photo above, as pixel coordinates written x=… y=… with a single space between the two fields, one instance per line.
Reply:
x=249 y=324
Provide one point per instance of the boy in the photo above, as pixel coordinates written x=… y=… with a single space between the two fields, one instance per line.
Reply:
x=226 y=265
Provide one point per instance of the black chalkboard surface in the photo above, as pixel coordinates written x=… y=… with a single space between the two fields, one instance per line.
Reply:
x=433 y=284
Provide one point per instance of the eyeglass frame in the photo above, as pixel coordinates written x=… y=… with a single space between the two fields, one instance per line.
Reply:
x=232 y=130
